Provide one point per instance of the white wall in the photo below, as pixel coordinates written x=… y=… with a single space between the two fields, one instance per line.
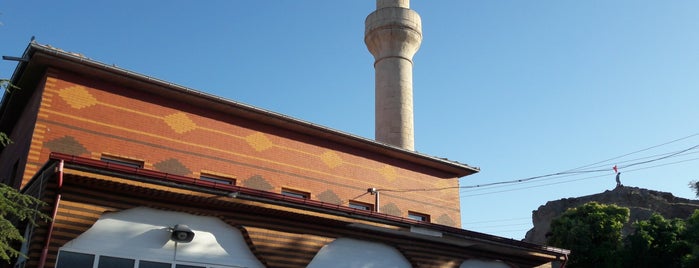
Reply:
x=352 y=253
x=143 y=233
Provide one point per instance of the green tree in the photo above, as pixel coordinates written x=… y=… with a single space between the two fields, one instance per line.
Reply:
x=691 y=235
x=695 y=186
x=15 y=206
x=657 y=242
x=6 y=85
x=593 y=234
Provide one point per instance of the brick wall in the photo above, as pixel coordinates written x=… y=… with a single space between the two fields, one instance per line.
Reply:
x=89 y=118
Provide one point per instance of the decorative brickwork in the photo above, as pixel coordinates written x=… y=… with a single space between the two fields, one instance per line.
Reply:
x=444 y=219
x=66 y=145
x=259 y=141
x=389 y=173
x=128 y=122
x=259 y=183
x=180 y=123
x=331 y=159
x=391 y=209
x=77 y=97
x=330 y=197
x=172 y=166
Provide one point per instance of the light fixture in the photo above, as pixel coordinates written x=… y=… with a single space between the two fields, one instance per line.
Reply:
x=181 y=233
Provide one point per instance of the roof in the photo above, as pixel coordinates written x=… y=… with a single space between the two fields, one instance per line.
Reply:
x=454 y=237
x=38 y=57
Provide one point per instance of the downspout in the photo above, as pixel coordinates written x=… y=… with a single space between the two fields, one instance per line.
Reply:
x=45 y=250
x=565 y=261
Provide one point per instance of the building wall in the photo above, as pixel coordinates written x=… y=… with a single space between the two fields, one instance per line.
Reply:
x=278 y=236
x=14 y=156
x=89 y=118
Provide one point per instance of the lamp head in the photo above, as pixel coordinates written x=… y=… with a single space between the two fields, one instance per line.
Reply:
x=182 y=233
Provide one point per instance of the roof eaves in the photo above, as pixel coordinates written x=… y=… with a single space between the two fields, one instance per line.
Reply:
x=314 y=205
x=457 y=168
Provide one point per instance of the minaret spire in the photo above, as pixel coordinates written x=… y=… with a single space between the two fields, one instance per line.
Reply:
x=393 y=34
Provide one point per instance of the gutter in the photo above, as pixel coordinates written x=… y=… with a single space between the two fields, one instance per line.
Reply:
x=243 y=193
x=45 y=250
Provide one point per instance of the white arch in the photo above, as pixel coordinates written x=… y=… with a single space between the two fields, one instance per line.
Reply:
x=352 y=253
x=142 y=233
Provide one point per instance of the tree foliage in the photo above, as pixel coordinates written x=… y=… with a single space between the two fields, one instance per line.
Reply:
x=15 y=206
x=691 y=234
x=657 y=242
x=593 y=234
x=695 y=186
x=6 y=85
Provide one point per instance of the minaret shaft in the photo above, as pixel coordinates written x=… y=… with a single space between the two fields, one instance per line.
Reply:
x=393 y=34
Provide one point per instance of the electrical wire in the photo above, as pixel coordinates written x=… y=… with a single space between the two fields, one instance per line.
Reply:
x=570 y=172
x=579 y=179
x=500 y=220
x=497 y=226
x=564 y=176
x=678 y=153
x=638 y=151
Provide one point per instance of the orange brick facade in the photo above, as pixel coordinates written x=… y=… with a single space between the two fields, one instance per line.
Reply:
x=90 y=118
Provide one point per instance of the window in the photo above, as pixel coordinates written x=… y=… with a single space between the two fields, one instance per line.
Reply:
x=418 y=216
x=114 y=262
x=188 y=266
x=361 y=205
x=67 y=259
x=295 y=193
x=122 y=161
x=217 y=179
x=152 y=264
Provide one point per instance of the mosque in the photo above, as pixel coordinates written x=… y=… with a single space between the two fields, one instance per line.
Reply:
x=140 y=172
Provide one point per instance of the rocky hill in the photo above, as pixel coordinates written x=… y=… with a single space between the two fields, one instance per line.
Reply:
x=641 y=202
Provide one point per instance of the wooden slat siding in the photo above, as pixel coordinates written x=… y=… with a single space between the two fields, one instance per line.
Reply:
x=266 y=236
x=133 y=197
x=72 y=220
x=248 y=241
x=99 y=193
x=283 y=249
x=277 y=253
x=38 y=239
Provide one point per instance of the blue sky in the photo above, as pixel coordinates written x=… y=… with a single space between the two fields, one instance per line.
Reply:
x=517 y=88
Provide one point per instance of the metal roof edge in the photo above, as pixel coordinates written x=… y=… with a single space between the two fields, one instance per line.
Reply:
x=314 y=205
x=457 y=168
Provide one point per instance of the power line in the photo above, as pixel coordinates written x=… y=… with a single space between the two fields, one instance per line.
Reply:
x=571 y=172
x=678 y=153
x=586 y=178
x=635 y=152
x=498 y=226
x=500 y=220
x=675 y=154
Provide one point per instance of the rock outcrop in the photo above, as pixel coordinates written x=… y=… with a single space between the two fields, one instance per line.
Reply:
x=641 y=203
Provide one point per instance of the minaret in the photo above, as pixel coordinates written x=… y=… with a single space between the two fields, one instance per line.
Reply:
x=393 y=34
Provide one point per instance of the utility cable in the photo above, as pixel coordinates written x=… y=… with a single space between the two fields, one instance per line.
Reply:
x=635 y=152
x=575 y=171
x=500 y=220
x=585 y=178
x=675 y=154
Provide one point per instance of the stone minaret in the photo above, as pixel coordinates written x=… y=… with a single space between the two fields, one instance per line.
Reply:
x=393 y=34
